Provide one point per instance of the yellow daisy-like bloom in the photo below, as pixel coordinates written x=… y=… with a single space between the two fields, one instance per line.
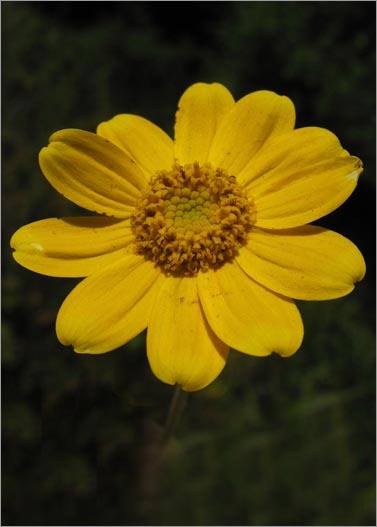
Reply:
x=204 y=240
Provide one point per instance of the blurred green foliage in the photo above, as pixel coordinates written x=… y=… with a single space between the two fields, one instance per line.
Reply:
x=272 y=441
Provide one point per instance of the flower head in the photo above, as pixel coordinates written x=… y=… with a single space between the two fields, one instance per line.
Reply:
x=203 y=240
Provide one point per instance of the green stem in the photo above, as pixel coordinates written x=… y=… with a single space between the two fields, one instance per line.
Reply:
x=177 y=405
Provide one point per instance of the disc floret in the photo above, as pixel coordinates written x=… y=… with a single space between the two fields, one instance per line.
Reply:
x=191 y=218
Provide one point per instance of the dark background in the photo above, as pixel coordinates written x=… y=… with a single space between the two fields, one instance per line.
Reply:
x=272 y=441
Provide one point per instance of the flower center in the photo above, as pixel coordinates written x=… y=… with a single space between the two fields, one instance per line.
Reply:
x=192 y=218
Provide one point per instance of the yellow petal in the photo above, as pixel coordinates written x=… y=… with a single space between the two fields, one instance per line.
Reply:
x=247 y=316
x=308 y=263
x=200 y=112
x=149 y=146
x=254 y=119
x=299 y=177
x=108 y=308
x=71 y=247
x=92 y=172
x=181 y=346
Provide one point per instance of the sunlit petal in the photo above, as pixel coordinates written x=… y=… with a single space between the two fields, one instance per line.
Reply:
x=71 y=247
x=253 y=120
x=201 y=109
x=92 y=172
x=182 y=348
x=144 y=142
x=247 y=316
x=108 y=308
x=308 y=263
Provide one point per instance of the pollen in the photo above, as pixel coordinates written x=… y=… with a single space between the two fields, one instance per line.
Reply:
x=37 y=247
x=192 y=218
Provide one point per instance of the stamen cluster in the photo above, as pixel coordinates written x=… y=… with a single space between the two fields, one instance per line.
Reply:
x=192 y=218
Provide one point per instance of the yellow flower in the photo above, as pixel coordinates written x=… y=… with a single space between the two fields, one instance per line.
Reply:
x=204 y=239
